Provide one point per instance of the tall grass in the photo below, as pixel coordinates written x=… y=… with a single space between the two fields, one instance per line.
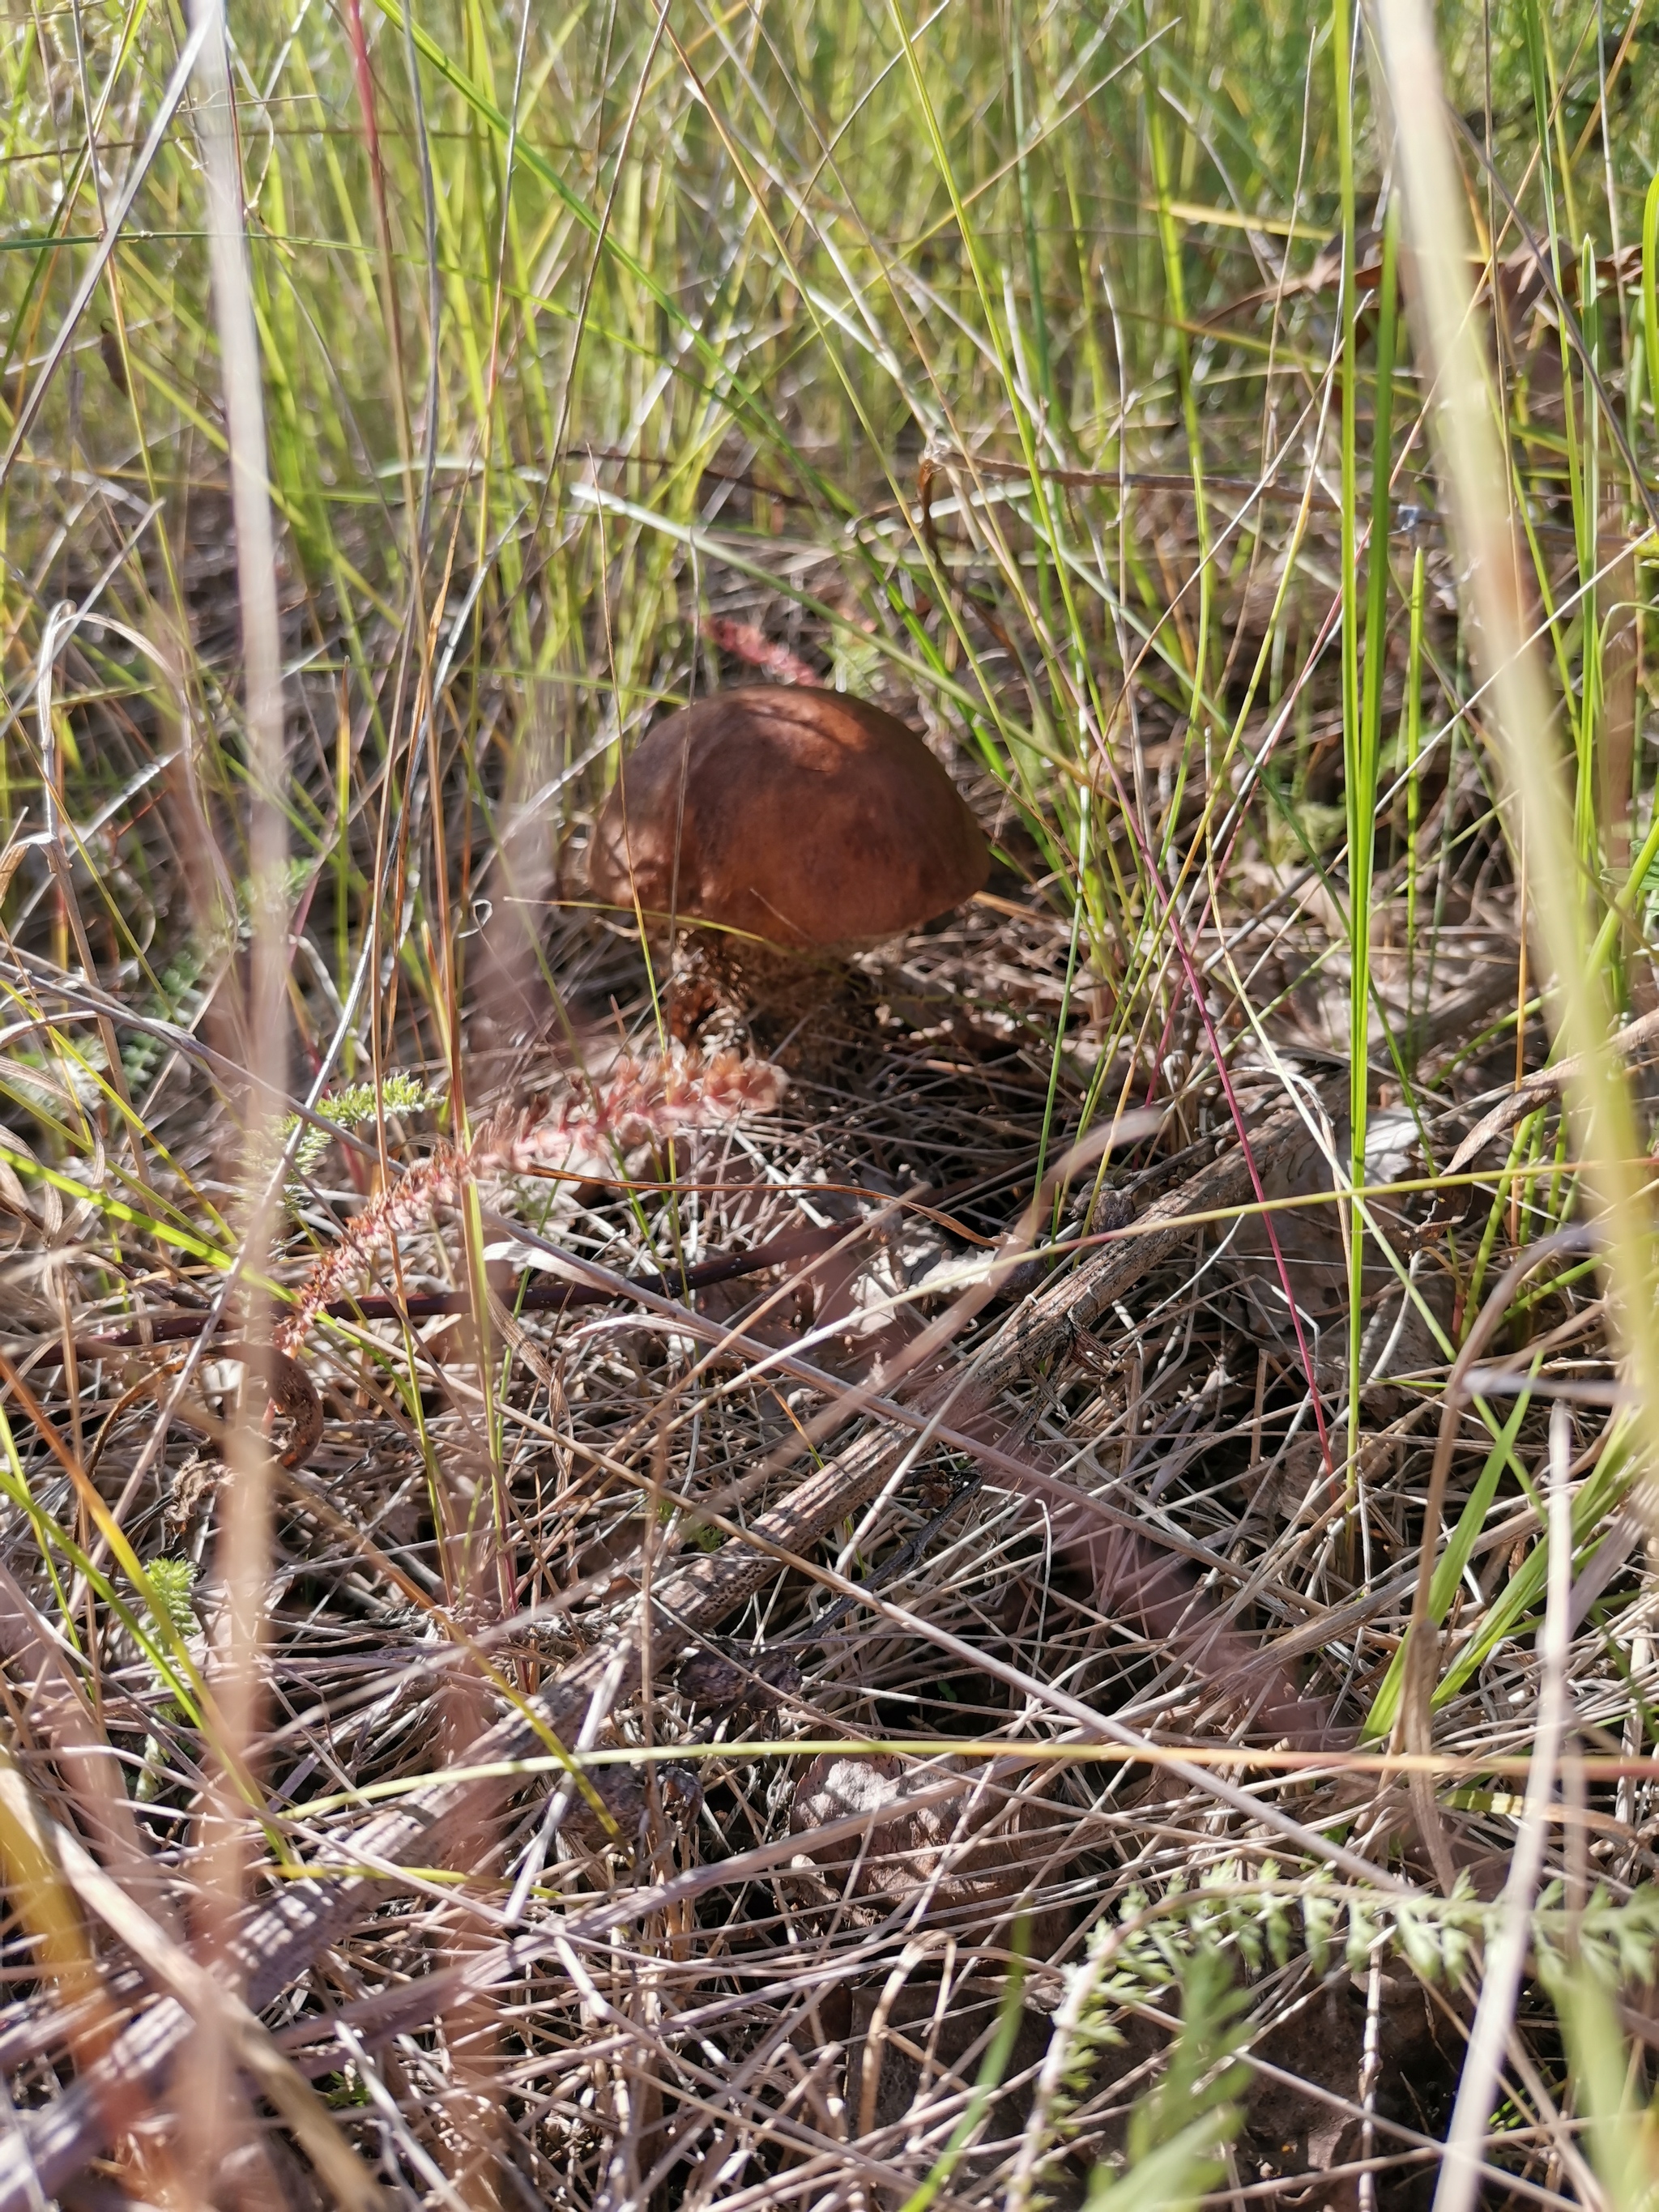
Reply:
x=1062 y=376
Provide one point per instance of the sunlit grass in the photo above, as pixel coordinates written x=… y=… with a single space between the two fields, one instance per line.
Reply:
x=1059 y=377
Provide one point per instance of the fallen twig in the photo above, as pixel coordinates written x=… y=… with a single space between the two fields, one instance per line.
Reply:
x=531 y=1293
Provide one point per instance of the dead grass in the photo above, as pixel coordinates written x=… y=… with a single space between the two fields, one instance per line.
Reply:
x=793 y=1604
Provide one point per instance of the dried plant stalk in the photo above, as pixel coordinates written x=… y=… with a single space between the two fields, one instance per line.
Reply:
x=643 y=1101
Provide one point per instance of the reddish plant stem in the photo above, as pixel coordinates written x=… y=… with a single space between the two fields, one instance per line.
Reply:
x=531 y=1294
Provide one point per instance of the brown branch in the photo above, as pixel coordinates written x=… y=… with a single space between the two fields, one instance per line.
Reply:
x=532 y=1293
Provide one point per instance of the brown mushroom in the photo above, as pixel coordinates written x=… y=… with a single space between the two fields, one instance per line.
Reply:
x=803 y=817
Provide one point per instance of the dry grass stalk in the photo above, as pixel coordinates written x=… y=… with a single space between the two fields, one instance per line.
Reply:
x=594 y=1126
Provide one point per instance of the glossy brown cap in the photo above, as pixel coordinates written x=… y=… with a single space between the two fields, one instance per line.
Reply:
x=798 y=816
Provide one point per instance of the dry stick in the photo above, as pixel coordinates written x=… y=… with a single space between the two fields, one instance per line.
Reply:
x=280 y=1938
x=1460 y=2170
x=527 y=1295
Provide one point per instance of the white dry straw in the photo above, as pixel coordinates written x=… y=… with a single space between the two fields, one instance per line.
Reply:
x=245 y=424
x=1460 y=2168
x=223 y=1853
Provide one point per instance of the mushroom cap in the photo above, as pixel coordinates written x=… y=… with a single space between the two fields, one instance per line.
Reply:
x=799 y=815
